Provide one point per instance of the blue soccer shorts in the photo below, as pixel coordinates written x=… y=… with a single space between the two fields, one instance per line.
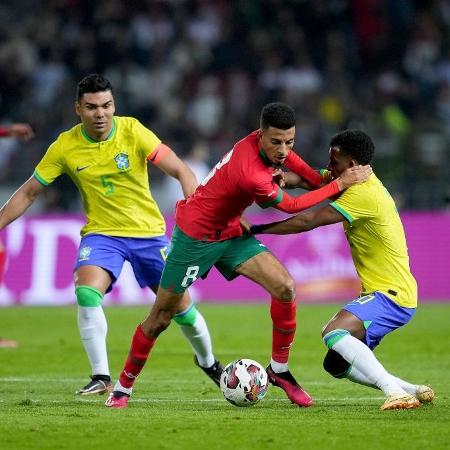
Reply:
x=380 y=315
x=146 y=256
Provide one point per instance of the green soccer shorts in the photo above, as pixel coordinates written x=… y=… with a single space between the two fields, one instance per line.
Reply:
x=189 y=259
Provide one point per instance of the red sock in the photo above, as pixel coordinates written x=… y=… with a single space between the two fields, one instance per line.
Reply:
x=284 y=324
x=140 y=348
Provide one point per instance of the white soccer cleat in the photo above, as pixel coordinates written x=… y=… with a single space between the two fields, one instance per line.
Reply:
x=400 y=401
x=425 y=394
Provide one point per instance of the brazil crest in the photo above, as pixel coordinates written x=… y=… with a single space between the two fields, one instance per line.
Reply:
x=122 y=161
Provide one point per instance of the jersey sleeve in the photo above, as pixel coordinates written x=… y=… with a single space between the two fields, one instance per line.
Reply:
x=147 y=140
x=267 y=193
x=354 y=205
x=292 y=205
x=51 y=166
x=297 y=165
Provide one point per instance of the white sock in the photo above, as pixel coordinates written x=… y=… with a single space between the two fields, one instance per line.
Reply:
x=357 y=377
x=93 y=328
x=278 y=367
x=364 y=361
x=200 y=340
x=120 y=388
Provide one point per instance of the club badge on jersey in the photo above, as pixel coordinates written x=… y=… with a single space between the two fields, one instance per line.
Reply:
x=122 y=161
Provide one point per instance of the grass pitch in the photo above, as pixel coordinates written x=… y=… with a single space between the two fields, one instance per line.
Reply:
x=175 y=406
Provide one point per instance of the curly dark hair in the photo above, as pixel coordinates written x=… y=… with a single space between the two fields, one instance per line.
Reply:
x=91 y=84
x=356 y=144
x=277 y=115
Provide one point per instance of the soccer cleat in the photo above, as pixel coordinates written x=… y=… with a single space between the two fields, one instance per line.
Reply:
x=117 y=399
x=288 y=383
x=214 y=372
x=99 y=384
x=400 y=401
x=8 y=343
x=424 y=394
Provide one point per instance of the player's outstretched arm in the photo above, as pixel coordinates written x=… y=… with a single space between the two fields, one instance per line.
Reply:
x=301 y=222
x=349 y=177
x=18 y=130
x=173 y=166
x=298 y=166
x=20 y=201
x=293 y=181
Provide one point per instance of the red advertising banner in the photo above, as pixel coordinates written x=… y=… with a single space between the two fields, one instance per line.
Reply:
x=42 y=250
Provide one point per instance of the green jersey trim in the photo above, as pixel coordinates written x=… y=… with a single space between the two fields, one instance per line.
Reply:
x=265 y=158
x=342 y=211
x=274 y=201
x=40 y=179
x=110 y=135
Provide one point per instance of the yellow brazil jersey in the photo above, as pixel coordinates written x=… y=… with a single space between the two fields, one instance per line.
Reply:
x=377 y=241
x=111 y=176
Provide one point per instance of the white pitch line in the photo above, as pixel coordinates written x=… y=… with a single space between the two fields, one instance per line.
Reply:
x=151 y=381
x=212 y=400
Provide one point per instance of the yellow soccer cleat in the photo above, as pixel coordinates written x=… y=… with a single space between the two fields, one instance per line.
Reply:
x=400 y=401
x=425 y=394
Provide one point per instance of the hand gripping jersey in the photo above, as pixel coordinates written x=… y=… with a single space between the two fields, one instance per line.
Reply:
x=377 y=241
x=242 y=177
x=111 y=176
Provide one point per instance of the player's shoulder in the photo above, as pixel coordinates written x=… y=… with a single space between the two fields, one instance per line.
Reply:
x=68 y=137
x=251 y=139
x=369 y=187
x=246 y=151
x=126 y=121
x=130 y=125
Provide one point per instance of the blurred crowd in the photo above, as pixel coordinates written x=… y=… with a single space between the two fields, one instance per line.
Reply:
x=198 y=71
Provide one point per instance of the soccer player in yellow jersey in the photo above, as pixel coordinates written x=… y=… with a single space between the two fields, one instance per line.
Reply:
x=106 y=157
x=388 y=297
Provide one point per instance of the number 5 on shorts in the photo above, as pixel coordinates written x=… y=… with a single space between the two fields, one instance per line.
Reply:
x=191 y=276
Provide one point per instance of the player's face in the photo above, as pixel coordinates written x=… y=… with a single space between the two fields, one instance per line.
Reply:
x=277 y=144
x=96 y=111
x=338 y=162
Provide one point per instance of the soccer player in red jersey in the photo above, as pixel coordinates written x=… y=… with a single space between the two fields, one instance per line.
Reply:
x=208 y=233
x=25 y=132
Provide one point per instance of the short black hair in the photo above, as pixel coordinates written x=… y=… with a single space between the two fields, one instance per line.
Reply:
x=277 y=115
x=92 y=83
x=356 y=144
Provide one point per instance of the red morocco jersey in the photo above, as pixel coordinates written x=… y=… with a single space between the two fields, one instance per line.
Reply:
x=242 y=177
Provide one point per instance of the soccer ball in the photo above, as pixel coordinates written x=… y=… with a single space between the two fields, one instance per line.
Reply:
x=244 y=382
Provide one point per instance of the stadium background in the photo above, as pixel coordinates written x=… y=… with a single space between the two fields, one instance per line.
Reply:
x=197 y=73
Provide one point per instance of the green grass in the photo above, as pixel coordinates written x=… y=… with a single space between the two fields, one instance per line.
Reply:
x=175 y=406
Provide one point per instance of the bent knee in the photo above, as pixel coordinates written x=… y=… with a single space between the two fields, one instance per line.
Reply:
x=335 y=364
x=286 y=289
x=88 y=296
